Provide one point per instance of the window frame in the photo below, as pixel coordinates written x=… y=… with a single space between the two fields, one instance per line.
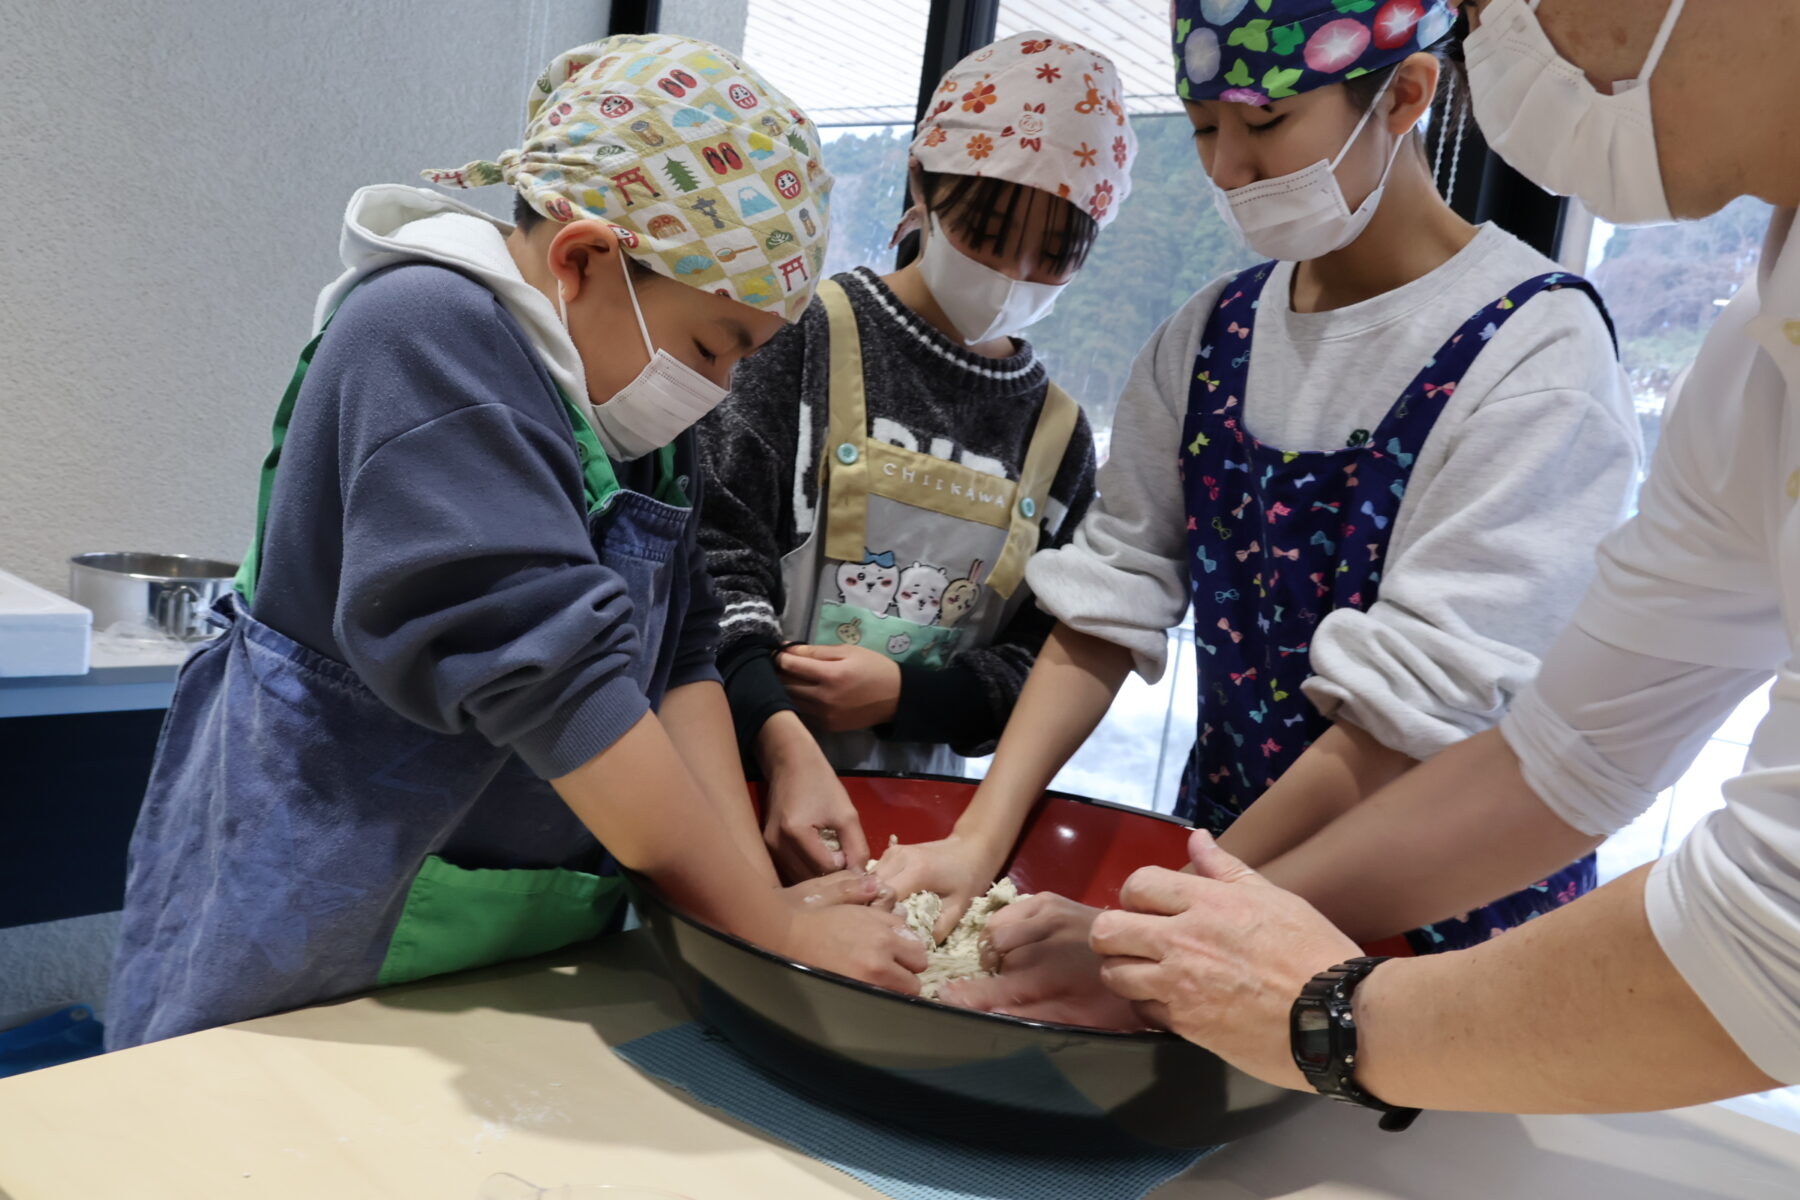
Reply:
x=633 y=16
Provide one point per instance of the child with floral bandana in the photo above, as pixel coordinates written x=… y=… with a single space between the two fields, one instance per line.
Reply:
x=1374 y=469
x=875 y=612
x=468 y=670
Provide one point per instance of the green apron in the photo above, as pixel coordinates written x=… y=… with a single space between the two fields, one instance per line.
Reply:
x=457 y=918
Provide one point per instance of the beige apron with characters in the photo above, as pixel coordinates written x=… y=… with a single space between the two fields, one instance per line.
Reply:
x=911 y=556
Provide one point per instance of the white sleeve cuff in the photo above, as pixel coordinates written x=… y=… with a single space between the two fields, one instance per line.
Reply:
x=1132 y=609
x=1572 y=778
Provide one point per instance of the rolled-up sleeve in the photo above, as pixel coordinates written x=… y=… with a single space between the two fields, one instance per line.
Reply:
x=1123 y=578
x=472 y=597
x=1600 y=734
x=1603 y=730
x=1504 y=546
x=1681 y=622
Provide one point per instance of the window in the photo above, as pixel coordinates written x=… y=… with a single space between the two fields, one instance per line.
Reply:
x=1665 y=285
x=863 y=104
x=1167 y=244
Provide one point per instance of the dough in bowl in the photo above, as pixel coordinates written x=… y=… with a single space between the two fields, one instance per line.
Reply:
x=959 y=956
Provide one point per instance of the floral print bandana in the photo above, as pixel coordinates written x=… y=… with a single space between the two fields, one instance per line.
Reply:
x=1255 y=51
x=1039 y=111
x=710 y=176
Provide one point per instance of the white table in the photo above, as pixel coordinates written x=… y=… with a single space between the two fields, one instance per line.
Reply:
x=118 y=680
x=424 y=1091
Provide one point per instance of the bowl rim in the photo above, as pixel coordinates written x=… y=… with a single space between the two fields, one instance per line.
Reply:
x=86 y=561
x=1145 y=1036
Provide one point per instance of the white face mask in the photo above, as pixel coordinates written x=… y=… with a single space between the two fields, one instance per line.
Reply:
x=665 y=399
x=1539 y=112
x=1304 y=215
x=981 y=302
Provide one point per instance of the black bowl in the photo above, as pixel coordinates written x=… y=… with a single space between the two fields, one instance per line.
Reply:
x=996 y=1080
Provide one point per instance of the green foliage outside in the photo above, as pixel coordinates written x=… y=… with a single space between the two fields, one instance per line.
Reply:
x=1663 y=285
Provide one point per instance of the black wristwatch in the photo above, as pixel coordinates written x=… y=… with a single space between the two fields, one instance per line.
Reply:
x=1322 y=1031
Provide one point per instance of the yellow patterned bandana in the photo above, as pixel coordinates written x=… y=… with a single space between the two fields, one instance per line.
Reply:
x=709 y=175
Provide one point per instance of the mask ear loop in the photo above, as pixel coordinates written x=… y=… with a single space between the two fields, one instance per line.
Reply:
x=1393 y=155
x=1662 y=41
x=1462 y=121
x=649 y=346
x=1362 y=124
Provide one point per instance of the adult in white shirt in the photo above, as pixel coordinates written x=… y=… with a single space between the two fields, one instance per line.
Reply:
x=1680 y=982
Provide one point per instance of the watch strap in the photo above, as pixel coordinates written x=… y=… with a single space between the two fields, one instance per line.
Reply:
x=1324 y=1039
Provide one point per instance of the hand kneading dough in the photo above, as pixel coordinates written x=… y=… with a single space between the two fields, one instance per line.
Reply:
x=960 y=955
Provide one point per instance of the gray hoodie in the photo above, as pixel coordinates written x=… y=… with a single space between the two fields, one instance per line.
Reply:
x=428 y=525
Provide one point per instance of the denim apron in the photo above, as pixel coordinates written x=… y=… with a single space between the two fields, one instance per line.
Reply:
x=300 y=840
x=914 y=557
x=1278 y=539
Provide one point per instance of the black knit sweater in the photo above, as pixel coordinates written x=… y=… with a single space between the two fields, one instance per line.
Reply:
x=923 y=391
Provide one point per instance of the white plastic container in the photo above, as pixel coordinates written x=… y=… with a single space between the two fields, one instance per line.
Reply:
x=41 y=633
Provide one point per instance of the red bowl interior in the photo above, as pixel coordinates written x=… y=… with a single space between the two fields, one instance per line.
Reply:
x=1082 y=849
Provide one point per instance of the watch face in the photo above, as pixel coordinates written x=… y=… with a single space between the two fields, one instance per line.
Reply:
x=1312 y=1036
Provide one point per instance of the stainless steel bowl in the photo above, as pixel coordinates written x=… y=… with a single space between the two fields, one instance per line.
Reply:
x=170 y=593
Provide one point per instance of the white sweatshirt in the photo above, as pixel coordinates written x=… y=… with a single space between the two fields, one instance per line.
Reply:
x=1697 y=601
x=1528 y=467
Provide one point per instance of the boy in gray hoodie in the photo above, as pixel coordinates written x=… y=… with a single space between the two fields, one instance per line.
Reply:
x=468 y=669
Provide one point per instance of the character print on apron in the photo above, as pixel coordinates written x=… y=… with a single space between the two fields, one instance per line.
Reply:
x=912 y=556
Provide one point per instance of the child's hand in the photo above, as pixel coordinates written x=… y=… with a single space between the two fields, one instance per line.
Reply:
x=844 y=887
x=1044 y=968
x=841 y=687
x=956 y=868
x=864 y=943
x=805 y=797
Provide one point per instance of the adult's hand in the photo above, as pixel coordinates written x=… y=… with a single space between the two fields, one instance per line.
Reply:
x=1218 y=957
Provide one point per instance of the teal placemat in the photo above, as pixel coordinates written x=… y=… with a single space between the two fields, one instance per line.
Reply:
x=898 y=1162
x=61 y=1037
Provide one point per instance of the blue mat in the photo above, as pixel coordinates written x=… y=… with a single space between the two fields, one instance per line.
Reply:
x=61 y=1037
x=902 y=1164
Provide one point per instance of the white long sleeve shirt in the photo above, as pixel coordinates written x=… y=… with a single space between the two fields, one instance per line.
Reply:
x=1696 y=602
x=1529 y=465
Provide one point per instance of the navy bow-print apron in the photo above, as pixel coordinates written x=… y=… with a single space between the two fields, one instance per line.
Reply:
x=1280 y=538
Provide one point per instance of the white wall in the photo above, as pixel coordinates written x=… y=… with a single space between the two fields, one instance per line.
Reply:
x=175 y=177
x=720 y=22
